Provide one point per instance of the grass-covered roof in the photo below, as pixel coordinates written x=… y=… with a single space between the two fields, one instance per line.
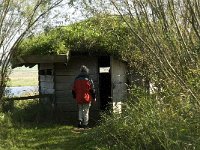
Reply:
x=93 y=36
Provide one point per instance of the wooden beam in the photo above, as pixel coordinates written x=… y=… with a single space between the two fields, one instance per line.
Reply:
x=30 y=97
x=45 y=59
x=37 y=59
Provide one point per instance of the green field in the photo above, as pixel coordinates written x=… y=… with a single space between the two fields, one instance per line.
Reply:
x=30 y=125
x=43 y=136
x=23 y=76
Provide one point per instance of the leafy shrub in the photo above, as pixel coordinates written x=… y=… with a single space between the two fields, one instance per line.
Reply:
x=151 y=124
x=99 y=35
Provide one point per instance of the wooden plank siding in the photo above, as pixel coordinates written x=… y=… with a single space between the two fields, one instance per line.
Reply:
x=60 y=82
x=46 y=82
x=32 y=97
x=42 y=59
x=119 y=87
x=64 y=78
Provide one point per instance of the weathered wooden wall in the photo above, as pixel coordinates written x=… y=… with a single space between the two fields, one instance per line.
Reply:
x=61 y=80
x=64 y=78
x=119 y=87
x=46 y=79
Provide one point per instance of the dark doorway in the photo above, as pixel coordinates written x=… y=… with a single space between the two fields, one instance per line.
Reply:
x=104 y=82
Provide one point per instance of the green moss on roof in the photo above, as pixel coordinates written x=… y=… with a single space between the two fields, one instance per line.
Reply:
x=97 y=35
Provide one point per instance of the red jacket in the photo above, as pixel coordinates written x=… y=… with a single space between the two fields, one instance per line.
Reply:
x=83 y=89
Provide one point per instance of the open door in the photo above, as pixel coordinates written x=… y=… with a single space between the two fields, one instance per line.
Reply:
x=119 y=87
x=104 y=82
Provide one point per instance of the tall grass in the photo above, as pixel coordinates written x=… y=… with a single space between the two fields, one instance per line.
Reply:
x=151 y=124
x=165 y=54
x=167 y=120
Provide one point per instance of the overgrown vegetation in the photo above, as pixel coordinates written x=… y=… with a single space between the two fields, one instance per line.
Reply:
x=38 y=136
x=166 y=56
x=99 y=35
x=31 y=125
x=151 y=124
x=160 y=41
x=17 y=20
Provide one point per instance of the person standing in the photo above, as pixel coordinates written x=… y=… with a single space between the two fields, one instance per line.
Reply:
x=83 y=92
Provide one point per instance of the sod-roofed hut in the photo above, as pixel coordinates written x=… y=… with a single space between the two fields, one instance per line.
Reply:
x=60 y=52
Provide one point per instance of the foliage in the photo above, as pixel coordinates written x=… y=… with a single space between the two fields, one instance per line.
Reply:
x=17 y=20
x=37 y=136
x=150 y=124
x=98 y=35
x=30 y=125
x=162 y=48
x=165 y=55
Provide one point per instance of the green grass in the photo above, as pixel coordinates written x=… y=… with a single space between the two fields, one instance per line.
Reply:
x=43 y=136
x=23 y=82
x=29 y=125
x=144 y=125
x=24 y=77
x=31 y=135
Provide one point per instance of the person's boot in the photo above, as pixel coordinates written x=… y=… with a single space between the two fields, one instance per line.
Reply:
x=85 y=126
x=80 y=124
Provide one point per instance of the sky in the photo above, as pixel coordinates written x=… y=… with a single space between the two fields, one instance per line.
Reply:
x=65 y=15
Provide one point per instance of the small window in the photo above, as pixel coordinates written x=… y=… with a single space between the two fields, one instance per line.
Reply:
x=49 y=72
x=104 y=70
x=41 y=72
x=46 y=72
